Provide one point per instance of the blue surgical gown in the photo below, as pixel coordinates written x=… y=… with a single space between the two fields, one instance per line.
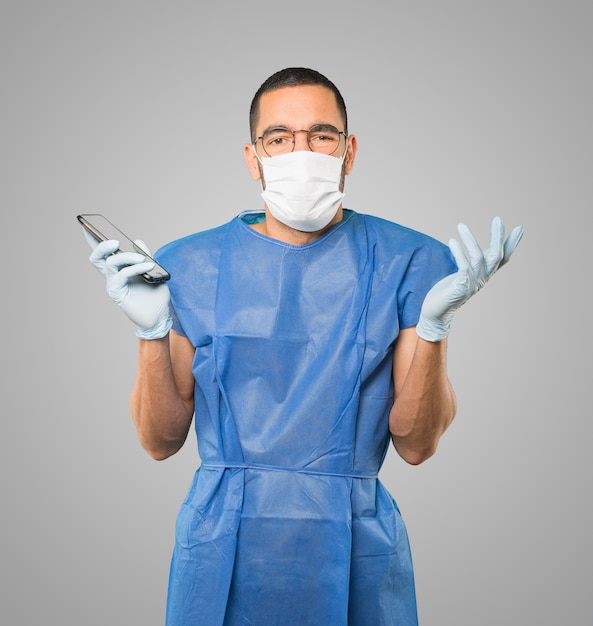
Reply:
x=286 y=522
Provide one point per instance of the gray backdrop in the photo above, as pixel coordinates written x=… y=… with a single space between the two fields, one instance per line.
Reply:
x=138 y=109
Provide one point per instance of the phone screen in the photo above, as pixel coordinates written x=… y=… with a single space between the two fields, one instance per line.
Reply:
x=102 y=230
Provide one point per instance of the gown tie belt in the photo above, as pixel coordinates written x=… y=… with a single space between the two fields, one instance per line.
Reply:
x=280 y=468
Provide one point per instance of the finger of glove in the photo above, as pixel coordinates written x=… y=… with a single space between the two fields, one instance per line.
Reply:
x=101 y=252
x=104 y=249
x=495 y=252
x=462 y=285
x=117 y=262
x=476 y=255
x=118 y=283
x=511 y=243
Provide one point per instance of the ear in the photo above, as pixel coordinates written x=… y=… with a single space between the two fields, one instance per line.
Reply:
x=251 y=160
x=350 y=154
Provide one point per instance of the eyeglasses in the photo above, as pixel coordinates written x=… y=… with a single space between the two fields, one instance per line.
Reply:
x=323 y=138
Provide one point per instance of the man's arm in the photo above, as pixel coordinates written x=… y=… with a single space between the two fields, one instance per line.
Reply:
x=162 y=398
x=424 y=404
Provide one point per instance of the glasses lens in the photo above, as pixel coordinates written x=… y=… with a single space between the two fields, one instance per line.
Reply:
x=324 y=138
x=277 y=141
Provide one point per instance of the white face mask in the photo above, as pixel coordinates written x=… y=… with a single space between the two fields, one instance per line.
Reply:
x=303 y=188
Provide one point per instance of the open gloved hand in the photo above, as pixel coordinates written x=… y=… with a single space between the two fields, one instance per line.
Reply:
x=475 y=267
x=146 y=305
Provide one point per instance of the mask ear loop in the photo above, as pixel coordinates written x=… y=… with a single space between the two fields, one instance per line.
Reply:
x=346 y=147
x=261 y=168
x=256 y=154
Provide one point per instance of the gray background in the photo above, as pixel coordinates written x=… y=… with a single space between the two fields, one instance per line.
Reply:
x=138 y=110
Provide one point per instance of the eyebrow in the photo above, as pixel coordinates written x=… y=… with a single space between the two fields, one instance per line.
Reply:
x=321 y=125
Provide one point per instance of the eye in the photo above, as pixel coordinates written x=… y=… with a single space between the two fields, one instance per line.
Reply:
x=277 y=141
x=323 y=138
x=324 y=134
x=277 y=137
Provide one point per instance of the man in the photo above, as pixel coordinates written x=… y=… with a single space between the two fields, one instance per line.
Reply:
x=304 y=337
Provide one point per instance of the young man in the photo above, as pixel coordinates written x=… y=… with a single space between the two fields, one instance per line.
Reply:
x=303 y=337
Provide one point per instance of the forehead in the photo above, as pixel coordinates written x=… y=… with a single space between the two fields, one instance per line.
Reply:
x=298 y=108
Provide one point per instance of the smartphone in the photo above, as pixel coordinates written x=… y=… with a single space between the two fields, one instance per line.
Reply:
x=102 y=230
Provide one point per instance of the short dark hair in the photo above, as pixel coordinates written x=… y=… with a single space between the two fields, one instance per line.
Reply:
x=293 y=77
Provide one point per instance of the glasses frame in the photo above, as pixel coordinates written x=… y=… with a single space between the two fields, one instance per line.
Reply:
x=294 y=132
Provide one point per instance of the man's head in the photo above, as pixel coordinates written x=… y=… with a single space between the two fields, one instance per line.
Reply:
x=297 y=99
x=300 y=149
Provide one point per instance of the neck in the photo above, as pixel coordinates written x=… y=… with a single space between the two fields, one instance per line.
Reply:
x=275 y=229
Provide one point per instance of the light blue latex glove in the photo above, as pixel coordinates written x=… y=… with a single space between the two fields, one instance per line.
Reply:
x=146 y=305
x=475 y=267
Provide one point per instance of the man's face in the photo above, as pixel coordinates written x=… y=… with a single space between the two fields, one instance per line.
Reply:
x=299 y=108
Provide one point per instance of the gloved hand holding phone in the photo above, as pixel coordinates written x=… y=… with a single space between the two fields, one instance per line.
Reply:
x=146 y=305
x=475 y=268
